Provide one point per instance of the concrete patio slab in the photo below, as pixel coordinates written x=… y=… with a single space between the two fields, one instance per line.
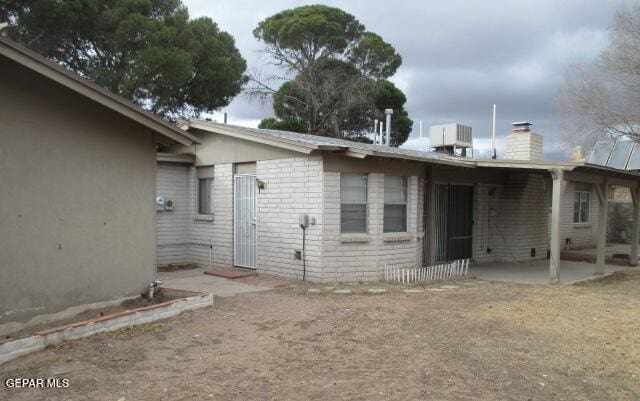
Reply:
x=196 y=280
x=537 y=272
x=230 y=273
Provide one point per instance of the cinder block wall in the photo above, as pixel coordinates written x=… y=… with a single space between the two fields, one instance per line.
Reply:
x=220 y=230
x=582 y=235
x=181 y=237
x=512 y=221
x=486 y=214
x=524 y=146
x=173 y=227
x=524 y=217
x=293 y=187
x=353 y=258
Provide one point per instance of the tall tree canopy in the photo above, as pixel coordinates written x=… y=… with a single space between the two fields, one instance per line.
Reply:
x=148 y=51
x=339 y=74
x=602 y=98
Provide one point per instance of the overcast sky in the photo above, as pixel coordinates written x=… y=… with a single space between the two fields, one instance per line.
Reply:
x=459 y=57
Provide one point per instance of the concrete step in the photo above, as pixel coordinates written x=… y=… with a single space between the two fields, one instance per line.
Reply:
x=230 y=273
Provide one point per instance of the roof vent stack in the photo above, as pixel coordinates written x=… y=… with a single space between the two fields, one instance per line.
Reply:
x=388 y=113
x=524 y=144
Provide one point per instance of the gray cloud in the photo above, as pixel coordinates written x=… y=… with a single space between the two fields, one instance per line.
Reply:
x=460 y=57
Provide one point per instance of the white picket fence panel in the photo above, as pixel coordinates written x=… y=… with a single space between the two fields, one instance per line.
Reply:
x=456 y=268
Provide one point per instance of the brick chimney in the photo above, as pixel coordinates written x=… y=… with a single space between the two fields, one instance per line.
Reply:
x=524 y=144
x=577 y=155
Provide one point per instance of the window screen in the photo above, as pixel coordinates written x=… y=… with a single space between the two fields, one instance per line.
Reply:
x=581 y=206
x=205 y=195
x=395 y=204
x=353 y=203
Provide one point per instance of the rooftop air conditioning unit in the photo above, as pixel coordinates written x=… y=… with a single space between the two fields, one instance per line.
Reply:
x=450 y=135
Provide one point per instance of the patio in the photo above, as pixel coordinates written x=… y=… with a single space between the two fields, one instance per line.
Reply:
x=197 y=280
x=537 y=272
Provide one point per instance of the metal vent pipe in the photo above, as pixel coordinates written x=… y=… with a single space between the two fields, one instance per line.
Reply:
x=388 y=112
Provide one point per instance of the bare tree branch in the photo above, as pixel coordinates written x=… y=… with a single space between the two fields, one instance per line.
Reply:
x=602 y=98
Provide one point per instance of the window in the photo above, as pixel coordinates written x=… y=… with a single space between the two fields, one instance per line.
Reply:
x=581 y=206
x=205 y=195
x=395 y=204
x=353 y=203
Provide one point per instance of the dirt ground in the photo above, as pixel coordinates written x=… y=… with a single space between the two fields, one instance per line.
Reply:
x=481 y=341
x=132 y=303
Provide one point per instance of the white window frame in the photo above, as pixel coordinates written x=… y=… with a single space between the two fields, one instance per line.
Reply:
x=578 y=195
x=405 y=182
x=208 y=210
x=365 y=203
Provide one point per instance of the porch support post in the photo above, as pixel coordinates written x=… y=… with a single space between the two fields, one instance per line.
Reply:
x=635 y=236
x=602 y=190
x=556 y=202
x=430 y=220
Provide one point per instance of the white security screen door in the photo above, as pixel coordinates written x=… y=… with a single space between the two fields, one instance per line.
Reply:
x=244 y=221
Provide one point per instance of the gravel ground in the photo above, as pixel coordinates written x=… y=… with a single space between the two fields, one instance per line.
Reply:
x=480 y=341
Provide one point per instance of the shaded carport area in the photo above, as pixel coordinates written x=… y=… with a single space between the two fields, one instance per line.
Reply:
x=601 y=178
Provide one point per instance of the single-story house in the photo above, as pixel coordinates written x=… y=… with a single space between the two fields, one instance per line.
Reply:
x=77 y=188
x=241 y=196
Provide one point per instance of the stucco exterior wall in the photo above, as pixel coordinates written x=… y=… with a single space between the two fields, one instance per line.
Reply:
x=77 y=221
x=221 y=149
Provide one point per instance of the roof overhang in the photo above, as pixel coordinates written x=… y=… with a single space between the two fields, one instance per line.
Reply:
x=250 y=136
x=307 y=148
x=50 y=70
x=187 y=158
x=576 y=171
